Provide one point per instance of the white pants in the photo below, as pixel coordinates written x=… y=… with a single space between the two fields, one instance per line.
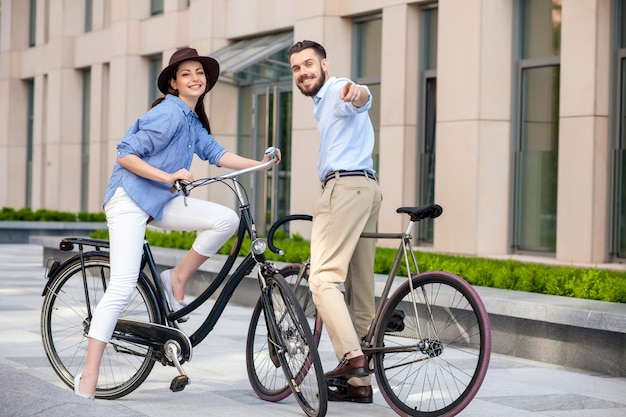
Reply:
x=127 y=227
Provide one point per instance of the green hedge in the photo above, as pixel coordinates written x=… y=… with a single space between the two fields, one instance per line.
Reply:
x=586 y=283
x=26 y=214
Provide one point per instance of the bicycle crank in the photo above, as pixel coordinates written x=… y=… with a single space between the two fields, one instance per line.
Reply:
x=172 y=352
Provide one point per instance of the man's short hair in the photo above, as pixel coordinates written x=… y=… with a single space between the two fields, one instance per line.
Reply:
x=302 y=45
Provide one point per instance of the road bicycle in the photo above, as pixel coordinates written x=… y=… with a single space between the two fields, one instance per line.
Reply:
x=429 y=342
x=148 y=331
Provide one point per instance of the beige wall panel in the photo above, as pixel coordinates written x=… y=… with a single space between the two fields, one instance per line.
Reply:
x=353 y=7
x=97 y=117
x=398 y=154
x=249 y=17
x=456 y=185
x=495 y=59
x=125 y=10
x=304 y=9
x=603 y=58
x=125 y=38
x=492 y=188
x=399 y=86
x=600 y=200
x=207 y=20
x=66 y=19
x=92 y=48
x=13 y=143
x=161 y=32
x=34 y=61
x=579 y=53
x=575 y=202
x=305 y=184
x=458 y=60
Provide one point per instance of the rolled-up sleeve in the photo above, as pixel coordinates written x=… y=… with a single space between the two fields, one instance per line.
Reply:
x=149 y=134
x=207 y=148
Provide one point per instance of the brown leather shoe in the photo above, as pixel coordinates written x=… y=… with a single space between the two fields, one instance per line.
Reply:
x=351 y=393
x=349 y=368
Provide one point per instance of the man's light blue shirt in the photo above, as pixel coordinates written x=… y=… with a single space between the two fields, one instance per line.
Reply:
x=346 y=132
x=166 y=137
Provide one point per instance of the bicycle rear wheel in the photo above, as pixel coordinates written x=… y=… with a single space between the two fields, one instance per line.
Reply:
x=294 y=347
x=68 y=304
x=266 y=377
x=436 y=342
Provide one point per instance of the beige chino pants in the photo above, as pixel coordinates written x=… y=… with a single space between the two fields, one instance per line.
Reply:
x=347 y=207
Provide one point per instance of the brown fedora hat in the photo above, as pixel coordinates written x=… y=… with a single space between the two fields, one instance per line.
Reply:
x=211 y=68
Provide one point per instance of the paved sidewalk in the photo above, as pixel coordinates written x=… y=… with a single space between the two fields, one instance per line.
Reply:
x=220 y=387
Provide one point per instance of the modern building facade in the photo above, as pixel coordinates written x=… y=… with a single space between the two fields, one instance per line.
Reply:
x=509 y=113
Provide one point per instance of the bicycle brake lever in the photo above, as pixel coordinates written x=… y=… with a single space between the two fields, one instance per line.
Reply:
x=181 y=187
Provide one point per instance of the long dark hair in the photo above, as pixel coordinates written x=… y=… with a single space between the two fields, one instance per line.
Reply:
x=199 y=110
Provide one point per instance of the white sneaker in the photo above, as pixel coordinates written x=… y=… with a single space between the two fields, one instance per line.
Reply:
x=76 y=387
x=174 y=303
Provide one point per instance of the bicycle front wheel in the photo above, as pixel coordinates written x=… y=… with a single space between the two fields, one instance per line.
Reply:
x=264 y=372
x=293 y=346
x=435 y=342
x=69 y=302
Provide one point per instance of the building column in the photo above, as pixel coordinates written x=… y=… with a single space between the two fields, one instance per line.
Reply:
x=398 y=116
x=584 y=133
x=473 y=151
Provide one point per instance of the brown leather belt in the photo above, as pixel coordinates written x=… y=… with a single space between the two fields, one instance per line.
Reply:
x=336 y=174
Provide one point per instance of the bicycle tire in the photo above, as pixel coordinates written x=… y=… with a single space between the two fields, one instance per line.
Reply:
x=296 y=349
x=266 y=377
x=443 y=377
x=65 y=325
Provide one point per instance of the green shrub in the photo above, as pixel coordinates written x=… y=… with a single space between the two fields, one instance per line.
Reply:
x=586 y=283
x=41 y=215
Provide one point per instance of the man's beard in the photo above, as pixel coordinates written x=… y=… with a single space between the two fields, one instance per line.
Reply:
x=314 y=88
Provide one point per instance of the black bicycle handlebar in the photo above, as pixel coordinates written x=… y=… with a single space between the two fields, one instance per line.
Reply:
x=280 y=222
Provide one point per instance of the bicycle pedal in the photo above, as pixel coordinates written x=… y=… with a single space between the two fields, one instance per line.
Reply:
x=337 y=382
x=179 y=383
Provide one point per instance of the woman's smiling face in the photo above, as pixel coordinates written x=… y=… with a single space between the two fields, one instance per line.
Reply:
x=190 y=81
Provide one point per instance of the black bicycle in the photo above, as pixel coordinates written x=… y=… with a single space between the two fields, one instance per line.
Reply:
x=148 y=332
x=429 y=343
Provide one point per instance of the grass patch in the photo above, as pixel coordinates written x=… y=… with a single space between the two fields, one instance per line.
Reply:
x=585 y=283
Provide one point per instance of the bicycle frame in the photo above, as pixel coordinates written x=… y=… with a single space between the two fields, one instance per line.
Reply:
x=404 y=250
x=246 y=226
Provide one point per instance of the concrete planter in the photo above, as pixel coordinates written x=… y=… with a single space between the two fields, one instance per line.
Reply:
x=21 y=231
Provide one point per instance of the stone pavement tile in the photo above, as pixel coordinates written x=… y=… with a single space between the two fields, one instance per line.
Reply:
x=219 y=385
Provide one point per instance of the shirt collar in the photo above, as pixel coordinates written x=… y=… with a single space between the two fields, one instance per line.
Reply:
x=322 y=91
x=183 y=106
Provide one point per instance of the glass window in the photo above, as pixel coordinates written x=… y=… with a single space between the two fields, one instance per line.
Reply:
x=32 y=28
x=428 y=119
x=156 y=7
x=537 y=123
x=430 y=19
x=541 y=28
x=30 y=112
x=88 y=15
x=538 y=159
x=156 y=65
x=366 y=69
x=86 y=123
x=619 y=150
x=621 y=25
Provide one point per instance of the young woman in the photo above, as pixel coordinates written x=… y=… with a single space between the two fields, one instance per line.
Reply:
x=156 y=151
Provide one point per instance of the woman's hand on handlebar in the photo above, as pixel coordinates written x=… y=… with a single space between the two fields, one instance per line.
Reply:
x=270 y=153
x=181 y=174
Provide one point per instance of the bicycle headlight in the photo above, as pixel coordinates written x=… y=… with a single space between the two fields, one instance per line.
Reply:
x=258 y=246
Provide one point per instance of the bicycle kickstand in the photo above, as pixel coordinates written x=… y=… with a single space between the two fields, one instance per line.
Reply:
x=179 y=383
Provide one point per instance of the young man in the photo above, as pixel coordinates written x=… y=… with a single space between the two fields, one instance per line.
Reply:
x=349 y=205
